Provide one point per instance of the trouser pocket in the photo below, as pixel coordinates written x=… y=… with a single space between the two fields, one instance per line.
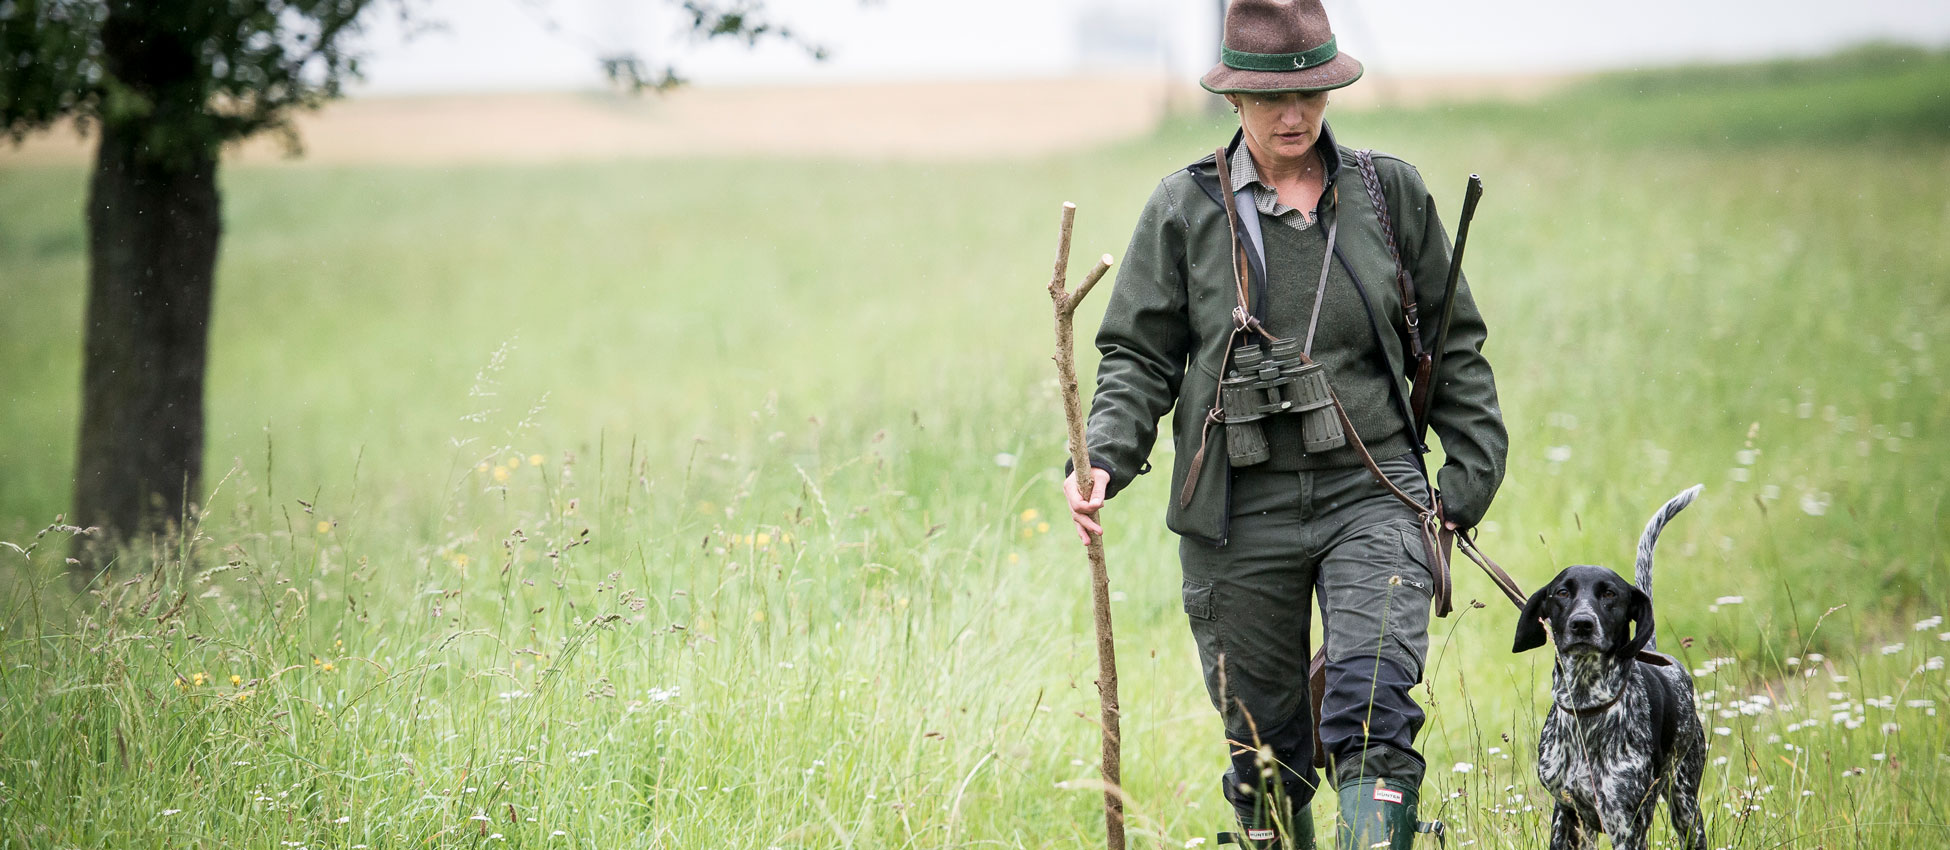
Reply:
x=1375 y=590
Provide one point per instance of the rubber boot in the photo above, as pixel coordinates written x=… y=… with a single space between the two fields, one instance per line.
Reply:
x=1299 y=837
x=1375 y=813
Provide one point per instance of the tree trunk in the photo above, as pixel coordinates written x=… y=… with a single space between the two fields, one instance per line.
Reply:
x=153 y=224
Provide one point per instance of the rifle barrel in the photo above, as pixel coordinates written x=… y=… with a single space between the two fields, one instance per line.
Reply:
x=1471 y=194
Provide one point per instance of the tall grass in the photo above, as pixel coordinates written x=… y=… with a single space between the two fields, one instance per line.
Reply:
x=681 y=504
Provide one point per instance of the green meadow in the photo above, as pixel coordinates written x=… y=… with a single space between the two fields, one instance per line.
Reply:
x=714 y=503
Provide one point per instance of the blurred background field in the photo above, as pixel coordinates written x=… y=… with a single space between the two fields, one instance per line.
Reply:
x=712 y=499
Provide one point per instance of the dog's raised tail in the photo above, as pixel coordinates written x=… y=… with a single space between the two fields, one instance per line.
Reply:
x=1642 y=574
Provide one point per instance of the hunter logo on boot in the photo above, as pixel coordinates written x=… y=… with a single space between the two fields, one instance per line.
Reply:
x=1386 y=795
x=1260 y=834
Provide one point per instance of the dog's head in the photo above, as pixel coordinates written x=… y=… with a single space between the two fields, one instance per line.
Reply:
x=1590 y=609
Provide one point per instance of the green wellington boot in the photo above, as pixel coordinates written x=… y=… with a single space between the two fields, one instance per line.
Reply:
x=1300 y=837
x=1376 y=813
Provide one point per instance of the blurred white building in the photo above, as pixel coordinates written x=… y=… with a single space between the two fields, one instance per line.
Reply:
x=490 y=45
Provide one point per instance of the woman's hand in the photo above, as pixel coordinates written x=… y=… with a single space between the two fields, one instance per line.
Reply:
x=1084 y=513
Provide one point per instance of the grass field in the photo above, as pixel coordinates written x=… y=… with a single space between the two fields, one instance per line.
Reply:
x=701 y=503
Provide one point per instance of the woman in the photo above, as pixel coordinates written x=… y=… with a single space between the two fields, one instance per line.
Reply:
x=1313 y=260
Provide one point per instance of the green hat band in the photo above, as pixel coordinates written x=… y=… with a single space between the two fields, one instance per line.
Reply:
x=1244 y=61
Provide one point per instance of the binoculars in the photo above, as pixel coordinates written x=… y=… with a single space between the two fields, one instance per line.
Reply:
x=1271 y=381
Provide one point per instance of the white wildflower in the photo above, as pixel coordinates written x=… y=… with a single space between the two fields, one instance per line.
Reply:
x=1005 y=460
x=1815 y=504
x=1462 y=767
x=1892 y=649
x=1929 y=623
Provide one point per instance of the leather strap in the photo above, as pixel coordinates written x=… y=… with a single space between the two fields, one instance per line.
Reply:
x=1411 y=312
x=1430 y=515
x=1326 y=263
x=1243 y=321
x=1467 y=543
x=1242 y=315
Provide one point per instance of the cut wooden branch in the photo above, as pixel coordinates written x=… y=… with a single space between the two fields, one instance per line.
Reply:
x=1065 y=306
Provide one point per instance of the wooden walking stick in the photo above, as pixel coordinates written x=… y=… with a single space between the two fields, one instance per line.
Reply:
x=1066 y=376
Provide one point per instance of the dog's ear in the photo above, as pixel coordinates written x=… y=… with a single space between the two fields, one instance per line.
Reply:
x=1530 y=629
x=1639 y=612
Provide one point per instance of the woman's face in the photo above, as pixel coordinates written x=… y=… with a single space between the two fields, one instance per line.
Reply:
x=1281 y=126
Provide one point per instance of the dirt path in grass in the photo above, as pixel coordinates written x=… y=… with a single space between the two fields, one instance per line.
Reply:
x=904 y=120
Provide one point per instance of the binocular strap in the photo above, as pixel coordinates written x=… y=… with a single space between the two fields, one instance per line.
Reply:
x=1326 y=263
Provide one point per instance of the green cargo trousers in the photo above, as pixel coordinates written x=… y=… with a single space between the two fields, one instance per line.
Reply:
x=1340 y=534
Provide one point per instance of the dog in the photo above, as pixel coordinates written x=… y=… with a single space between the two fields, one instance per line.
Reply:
x=1623 y=729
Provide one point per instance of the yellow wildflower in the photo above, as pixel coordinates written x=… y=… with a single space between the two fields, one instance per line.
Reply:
x=315 y=661
x=324 y=526
x=236 y=680
x=328 y=667
x=758 y=616
x=1042 y=528
x=515 y=460
x=242 y=695
x=1014 y=558
x=764 y=539
x=501 y=473
x=1030 y=514
x=181 y=682
x=1028 y=533
x=460 y=560
x=199 y=678
x=534 y=460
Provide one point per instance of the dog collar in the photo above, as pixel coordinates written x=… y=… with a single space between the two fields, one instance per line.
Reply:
x=1592 y=710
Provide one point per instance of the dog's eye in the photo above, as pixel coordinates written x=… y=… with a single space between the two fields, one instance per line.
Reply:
x=1564 y=591
x=1608 y=593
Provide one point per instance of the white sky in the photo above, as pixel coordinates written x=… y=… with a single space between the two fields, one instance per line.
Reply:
x=487 y=45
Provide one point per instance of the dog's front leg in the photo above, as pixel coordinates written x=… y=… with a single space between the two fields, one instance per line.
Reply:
x=1568 y=833
x=1682 y=802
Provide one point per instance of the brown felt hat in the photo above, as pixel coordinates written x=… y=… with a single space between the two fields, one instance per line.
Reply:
x=1279 y=46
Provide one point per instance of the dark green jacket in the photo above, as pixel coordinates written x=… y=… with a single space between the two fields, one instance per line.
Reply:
x=1170 y=314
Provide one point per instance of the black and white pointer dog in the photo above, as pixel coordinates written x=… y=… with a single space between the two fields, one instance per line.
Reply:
x=1623 y=730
